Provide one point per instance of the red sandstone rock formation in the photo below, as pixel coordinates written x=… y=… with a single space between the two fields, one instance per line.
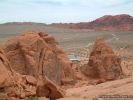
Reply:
x=12 y=83
x=17 y=86
x=103 y=63
x=34 y=65
x=121 y=22
x=38 y=54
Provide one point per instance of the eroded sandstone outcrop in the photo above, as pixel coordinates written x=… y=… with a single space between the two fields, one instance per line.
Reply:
x=33 y=65
x=38 y=54
x=103 y=63
x=12 y=84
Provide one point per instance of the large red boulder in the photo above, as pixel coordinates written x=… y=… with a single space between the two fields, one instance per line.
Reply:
x=103 y=63
x=17 y=86
x=38 y=54
x=12 y=84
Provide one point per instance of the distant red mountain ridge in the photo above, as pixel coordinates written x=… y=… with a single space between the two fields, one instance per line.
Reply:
x=121 y=22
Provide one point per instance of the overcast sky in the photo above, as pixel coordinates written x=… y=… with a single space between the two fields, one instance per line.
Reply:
x=52 y=11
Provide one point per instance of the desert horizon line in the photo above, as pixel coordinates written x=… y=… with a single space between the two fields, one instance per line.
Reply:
x=60 y=22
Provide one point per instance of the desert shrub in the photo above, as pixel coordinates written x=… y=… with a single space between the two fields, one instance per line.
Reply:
x=33 y=98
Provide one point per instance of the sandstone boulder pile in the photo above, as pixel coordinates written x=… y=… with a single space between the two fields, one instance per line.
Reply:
x=12 y=84
x=103 y=63
x=33 y=65
x=38 y=54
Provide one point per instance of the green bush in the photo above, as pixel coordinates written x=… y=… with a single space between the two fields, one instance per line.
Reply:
x=33 y=98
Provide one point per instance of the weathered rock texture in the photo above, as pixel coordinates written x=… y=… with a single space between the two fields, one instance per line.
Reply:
x=38 y=54
x=4 y=73
x=33 y=65
x=103 y=63
x=13 y=84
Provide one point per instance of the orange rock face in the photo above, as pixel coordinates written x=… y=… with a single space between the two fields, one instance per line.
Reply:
x=38 y=54
x=4 y=73
x=13 y=84
x=40 y=63
x=103 y=63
